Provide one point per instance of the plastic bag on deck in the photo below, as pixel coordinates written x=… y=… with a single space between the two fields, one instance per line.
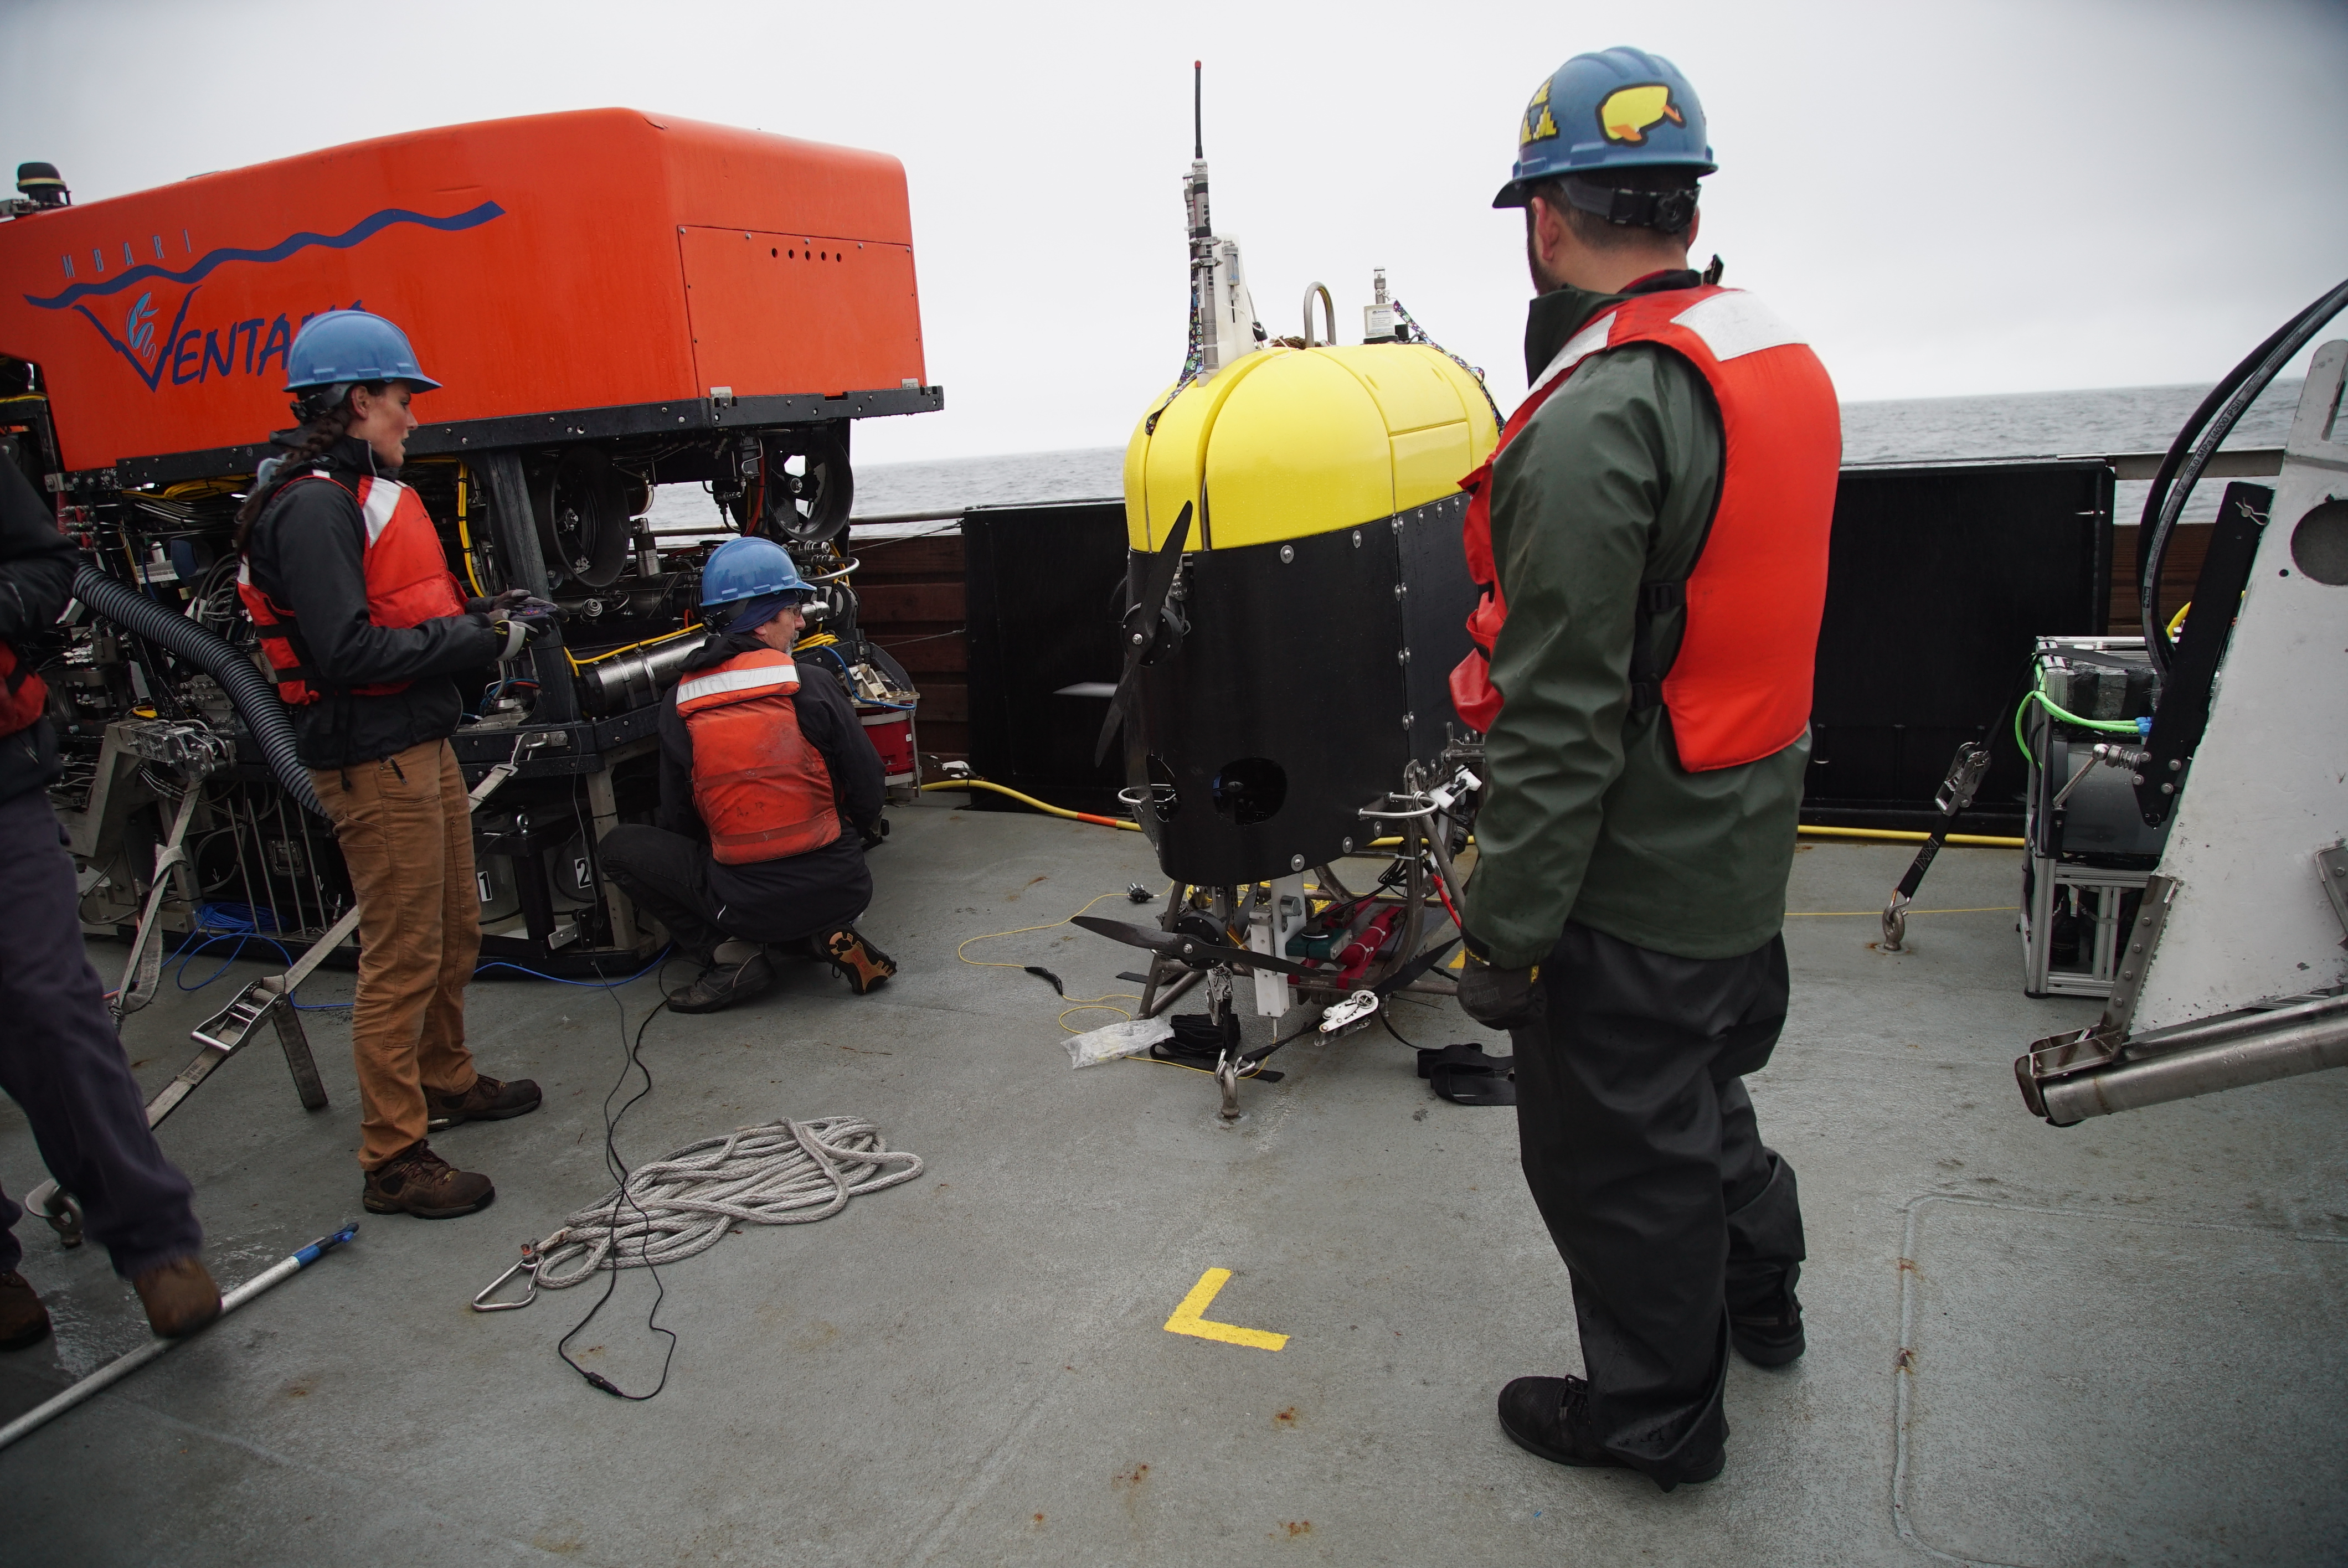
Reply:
x=1128 y=1037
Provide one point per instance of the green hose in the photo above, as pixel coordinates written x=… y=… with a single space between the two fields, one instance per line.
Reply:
x=2039 y=696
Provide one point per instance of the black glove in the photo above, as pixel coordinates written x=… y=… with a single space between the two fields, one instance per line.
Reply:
x=874 y=832
x=1501 y=999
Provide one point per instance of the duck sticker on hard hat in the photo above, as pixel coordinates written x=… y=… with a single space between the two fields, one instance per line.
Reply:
x=1628 y=112
x=1540 y=126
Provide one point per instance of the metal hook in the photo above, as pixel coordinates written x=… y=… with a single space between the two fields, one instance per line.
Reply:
x=528 y=1266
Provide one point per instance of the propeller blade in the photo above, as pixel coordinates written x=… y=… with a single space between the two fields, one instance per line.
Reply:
x=1154 y=590
x=1188 y=949
x=1131 y=936
x=1169 y=561
x=1115 y=720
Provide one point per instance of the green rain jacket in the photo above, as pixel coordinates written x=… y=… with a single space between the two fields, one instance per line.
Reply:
x=1587 y=814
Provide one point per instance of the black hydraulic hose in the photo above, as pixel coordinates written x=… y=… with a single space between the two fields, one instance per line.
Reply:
x=255 y=699
x=2199 y=441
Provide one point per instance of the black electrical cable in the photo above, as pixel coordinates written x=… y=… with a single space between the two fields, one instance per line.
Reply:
x=2199 y=441
x=633 y=1062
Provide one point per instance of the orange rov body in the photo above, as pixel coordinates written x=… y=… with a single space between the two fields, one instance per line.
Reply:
x=597 y=273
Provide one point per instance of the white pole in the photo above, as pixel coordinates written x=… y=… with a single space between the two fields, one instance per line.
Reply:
x=122 y=1366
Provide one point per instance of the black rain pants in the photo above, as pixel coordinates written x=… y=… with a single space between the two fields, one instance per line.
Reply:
x=703 y=903
x=1638 y=1142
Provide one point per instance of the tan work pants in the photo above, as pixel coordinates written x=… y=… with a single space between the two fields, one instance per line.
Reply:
x=407 y=834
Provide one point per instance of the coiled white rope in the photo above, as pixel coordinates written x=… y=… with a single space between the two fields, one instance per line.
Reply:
x=779 y=1174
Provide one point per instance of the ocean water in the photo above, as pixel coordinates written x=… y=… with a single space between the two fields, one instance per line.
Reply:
x=2023 y=424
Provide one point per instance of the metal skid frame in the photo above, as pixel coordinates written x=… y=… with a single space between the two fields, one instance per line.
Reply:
x=1426 y=814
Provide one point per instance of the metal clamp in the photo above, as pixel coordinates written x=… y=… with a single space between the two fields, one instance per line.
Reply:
x=528 y=1267
x=1342 y=1015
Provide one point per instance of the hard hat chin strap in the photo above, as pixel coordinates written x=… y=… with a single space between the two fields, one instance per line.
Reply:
x=1666 y=212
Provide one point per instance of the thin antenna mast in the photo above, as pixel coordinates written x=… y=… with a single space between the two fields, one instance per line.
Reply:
x=1198 y=108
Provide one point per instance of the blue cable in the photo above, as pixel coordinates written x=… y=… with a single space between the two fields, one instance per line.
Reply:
x=658 y=960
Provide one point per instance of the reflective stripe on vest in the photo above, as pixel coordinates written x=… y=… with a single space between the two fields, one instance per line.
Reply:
x=408 y=583
x=1740 y=689
x=761 y=788
x=23 y=694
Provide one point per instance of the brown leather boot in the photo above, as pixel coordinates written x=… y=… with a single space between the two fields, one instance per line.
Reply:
x=854 y=960
x=416 y=1181
x=179 y=1295
x=23 y=1320
x=489 y=1099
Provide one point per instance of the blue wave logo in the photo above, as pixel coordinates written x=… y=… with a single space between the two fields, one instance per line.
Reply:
x=245 y=347
x=359 y=233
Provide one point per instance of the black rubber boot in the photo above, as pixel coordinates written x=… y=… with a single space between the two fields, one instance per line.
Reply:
x=1548 y=1416
x=1769 y=1332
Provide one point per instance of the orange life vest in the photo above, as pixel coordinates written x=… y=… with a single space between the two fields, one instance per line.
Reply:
x=761 y=787
x=408 y=583
x=23 y=694
x=1740 y=689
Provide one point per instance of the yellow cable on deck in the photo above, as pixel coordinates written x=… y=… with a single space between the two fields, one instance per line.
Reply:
x=1031 y=801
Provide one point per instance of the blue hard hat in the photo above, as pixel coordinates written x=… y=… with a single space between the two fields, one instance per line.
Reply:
x=741 y=569
x=1618 y=109
x=336 y=348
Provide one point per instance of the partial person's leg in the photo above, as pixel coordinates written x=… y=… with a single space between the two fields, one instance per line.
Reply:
x=394 y=840
x=667 y=874
x=1757 y=1188
x=454 y=1090
x=442 y=1063
x=61 y=1062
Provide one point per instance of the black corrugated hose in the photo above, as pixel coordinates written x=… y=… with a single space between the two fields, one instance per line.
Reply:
x=255 y=699
x=2198 y=442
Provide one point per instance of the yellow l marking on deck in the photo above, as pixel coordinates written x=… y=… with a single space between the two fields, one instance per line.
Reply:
x=1189 y=1317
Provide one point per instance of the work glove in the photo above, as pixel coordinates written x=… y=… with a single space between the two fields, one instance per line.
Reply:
x=499 y=604
x=522 y=622
x=874 y=832
x=1501 y=999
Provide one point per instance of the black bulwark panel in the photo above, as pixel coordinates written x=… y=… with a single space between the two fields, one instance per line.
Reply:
x=1939 y=578
x=1045 y=587
x=1282 y=713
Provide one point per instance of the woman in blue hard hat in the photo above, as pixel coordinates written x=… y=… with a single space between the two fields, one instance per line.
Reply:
x=770 y=794
x=366 y=631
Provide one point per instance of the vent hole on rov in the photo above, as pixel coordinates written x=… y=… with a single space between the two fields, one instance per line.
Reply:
x=2319 y=543
x=1250 y=790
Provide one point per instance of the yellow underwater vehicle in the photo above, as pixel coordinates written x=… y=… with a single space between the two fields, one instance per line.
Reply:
x=1297 y=597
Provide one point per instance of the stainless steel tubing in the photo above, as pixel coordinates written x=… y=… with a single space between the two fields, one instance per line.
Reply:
x=634 y=679
x=2289 y=1046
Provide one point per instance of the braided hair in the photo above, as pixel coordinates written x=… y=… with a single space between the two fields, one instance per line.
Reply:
x=320 y=431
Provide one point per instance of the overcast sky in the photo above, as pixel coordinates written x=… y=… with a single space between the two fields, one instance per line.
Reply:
x=1949 y=198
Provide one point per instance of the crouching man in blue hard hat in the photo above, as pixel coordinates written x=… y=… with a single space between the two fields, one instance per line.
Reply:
x=770 y=792
x=1651 y=536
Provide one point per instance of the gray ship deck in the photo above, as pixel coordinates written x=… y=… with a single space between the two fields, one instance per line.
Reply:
x=2123 y=1338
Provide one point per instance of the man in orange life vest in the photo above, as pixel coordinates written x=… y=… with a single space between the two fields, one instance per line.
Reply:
x=770 y=795
x=59 y=1059
x=366 y=631
x=1652 y=535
